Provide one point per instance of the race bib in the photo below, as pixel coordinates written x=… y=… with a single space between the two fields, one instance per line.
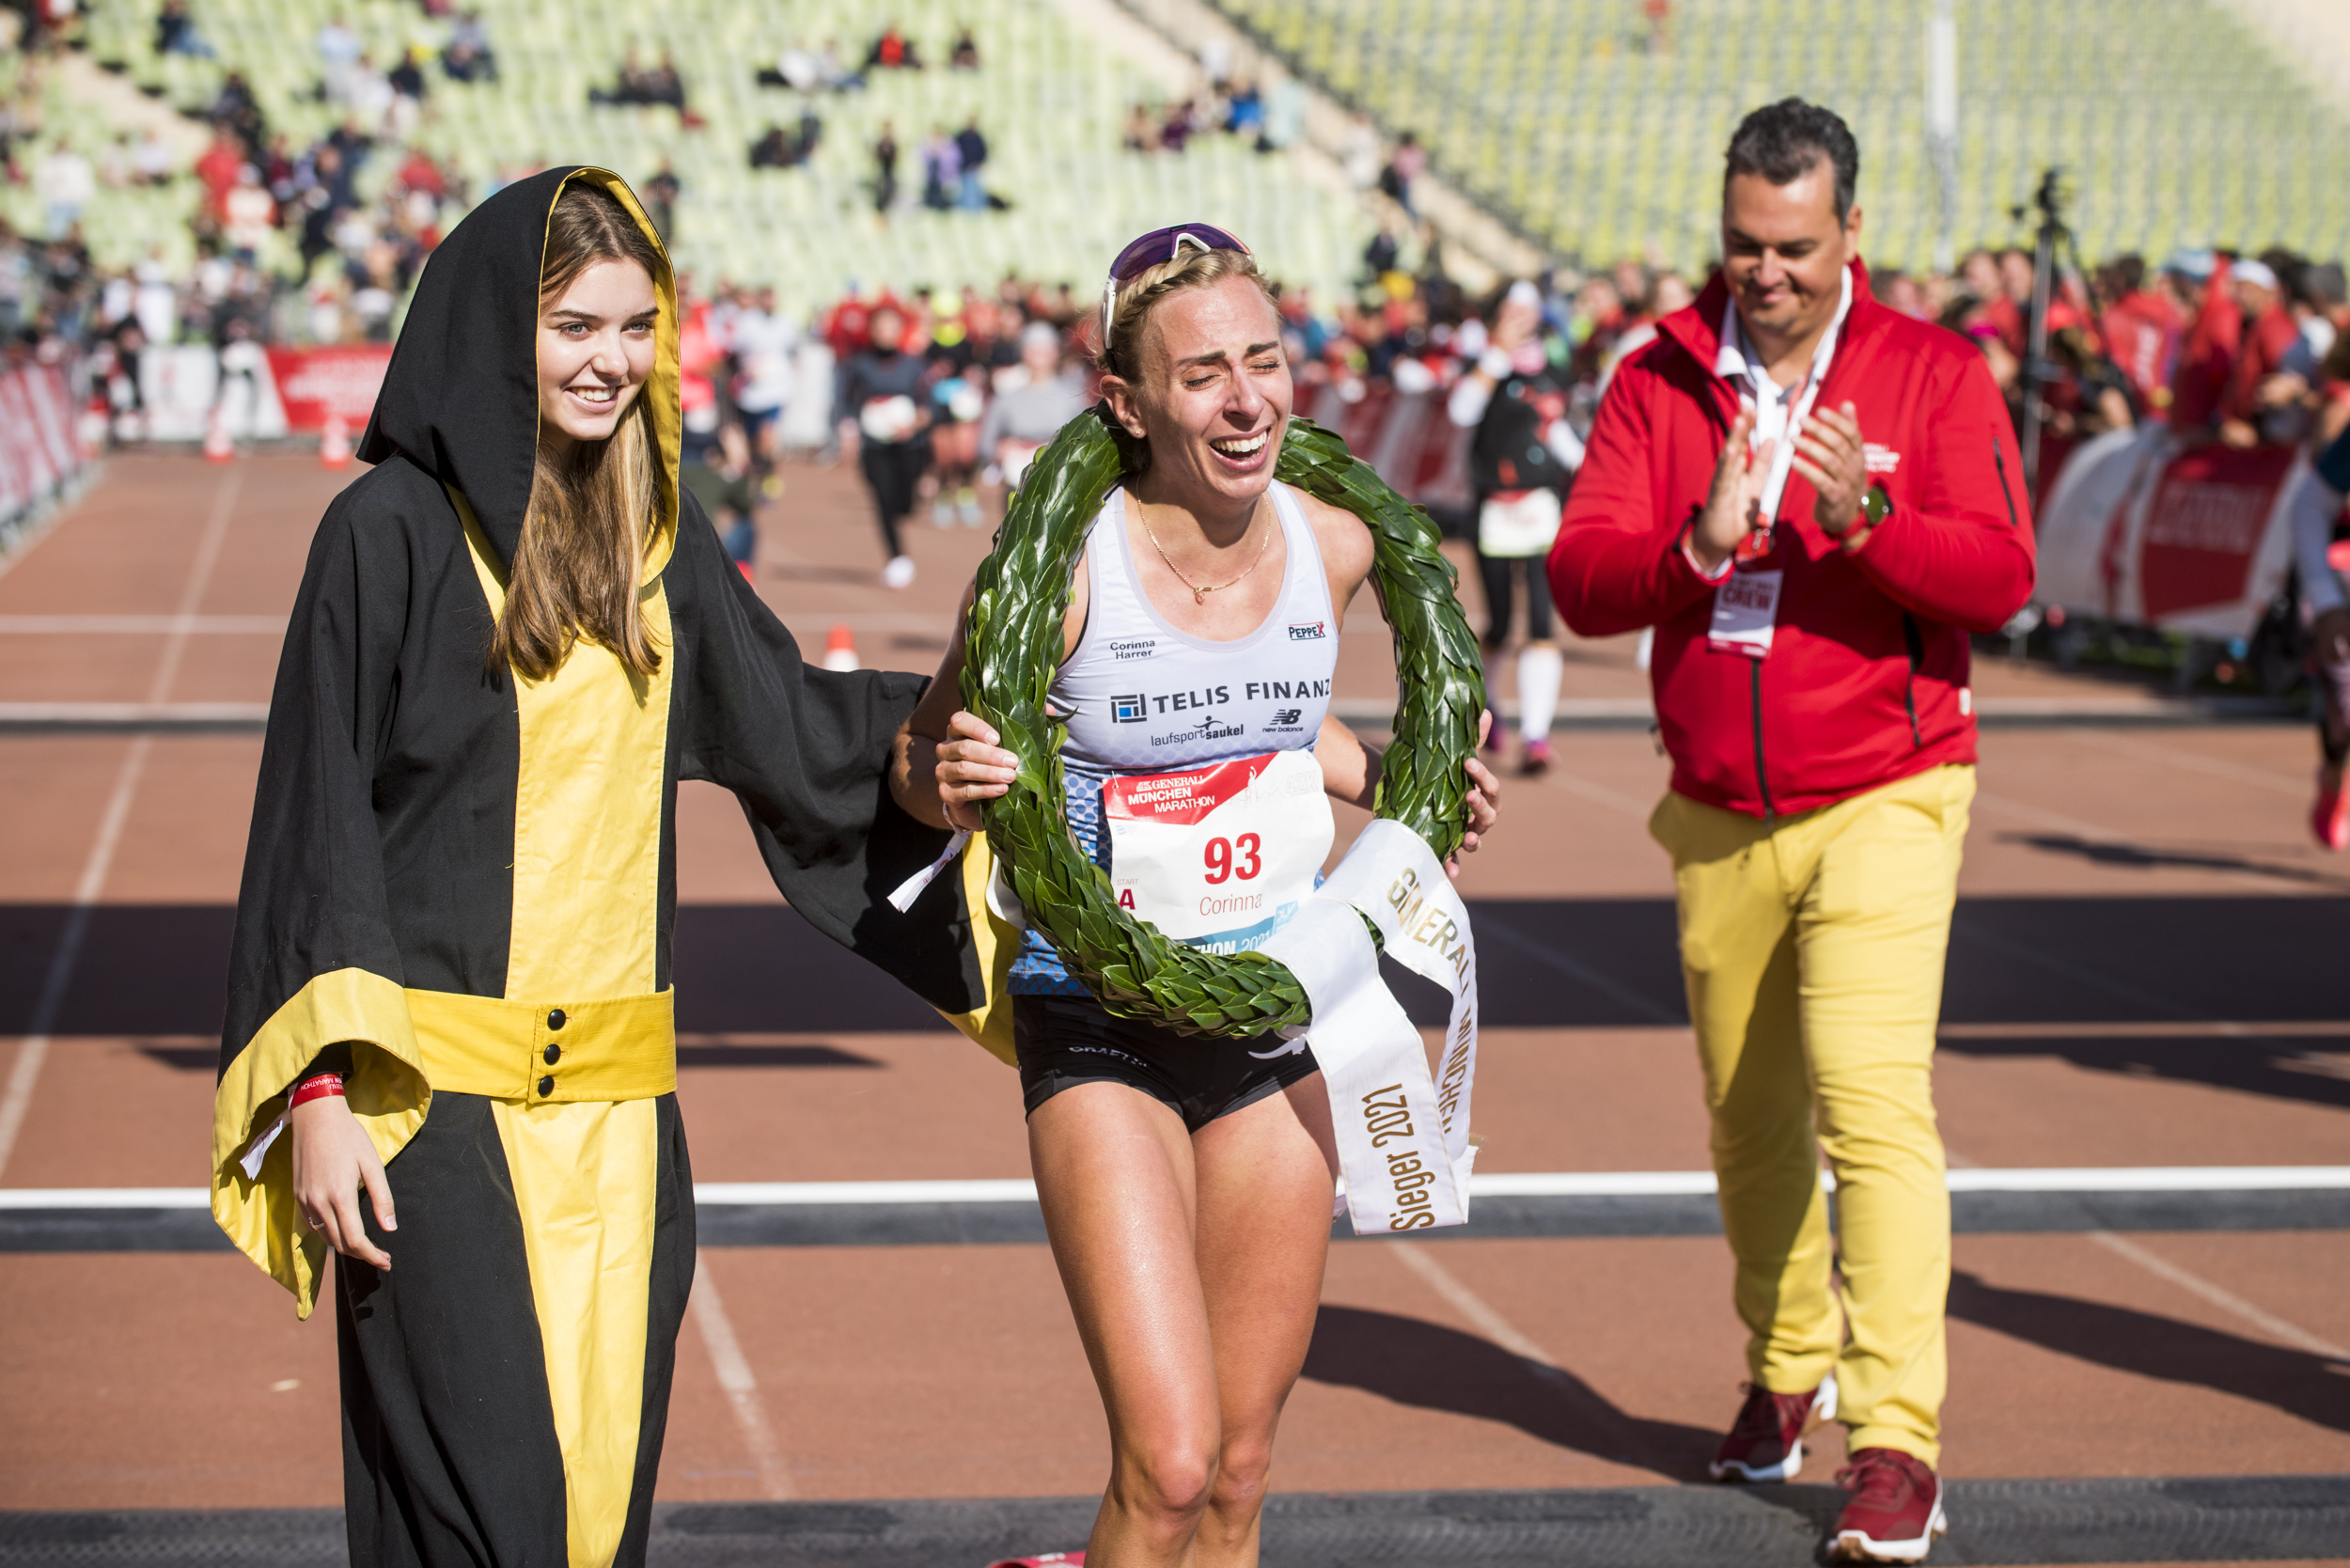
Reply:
x=1015 y=458
x=1516 y=523
x=1745 y=610
x=1219 y=856
x=888 y=420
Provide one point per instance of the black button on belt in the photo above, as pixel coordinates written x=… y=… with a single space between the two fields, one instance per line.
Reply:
x=554 y=1019
x=554 y=1053
x=546 y=1084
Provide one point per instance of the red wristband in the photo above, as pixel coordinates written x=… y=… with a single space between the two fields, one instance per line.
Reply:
x=325 y=1084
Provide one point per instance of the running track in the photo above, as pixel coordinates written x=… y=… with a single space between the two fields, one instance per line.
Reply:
x=2147 y=974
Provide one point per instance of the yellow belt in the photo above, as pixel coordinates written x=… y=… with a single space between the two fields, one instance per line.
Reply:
x=544 y=1053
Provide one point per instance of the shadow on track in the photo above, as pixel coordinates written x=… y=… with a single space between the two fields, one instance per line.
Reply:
x=1430 y=1367
x=2107 y=851
x=2145 y=1345
x=752 y=969
x=2279 y=1069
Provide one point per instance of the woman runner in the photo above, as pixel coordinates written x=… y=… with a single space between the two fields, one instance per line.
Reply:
x=452 y=950
x=1186 y=1182
x=885 y=419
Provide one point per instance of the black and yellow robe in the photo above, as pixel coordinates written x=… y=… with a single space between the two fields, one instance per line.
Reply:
x=466 y=879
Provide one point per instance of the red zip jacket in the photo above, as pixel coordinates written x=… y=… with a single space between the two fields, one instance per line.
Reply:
x=1866 y=681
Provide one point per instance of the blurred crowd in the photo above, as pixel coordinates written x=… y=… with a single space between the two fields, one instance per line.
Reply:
x=285 y=241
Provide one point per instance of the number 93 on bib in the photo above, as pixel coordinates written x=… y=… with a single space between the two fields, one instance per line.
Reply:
x=1219 y=856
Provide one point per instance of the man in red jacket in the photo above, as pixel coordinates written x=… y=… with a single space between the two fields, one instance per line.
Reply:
x=1813 y=499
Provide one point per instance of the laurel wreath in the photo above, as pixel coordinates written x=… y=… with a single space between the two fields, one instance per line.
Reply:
x=1014 y=647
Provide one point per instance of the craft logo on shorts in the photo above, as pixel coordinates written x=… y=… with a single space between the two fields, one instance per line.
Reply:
x=1130 y=709
x=1134 y=647
x=1308 y=631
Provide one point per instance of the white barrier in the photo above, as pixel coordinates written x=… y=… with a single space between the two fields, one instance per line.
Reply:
x=2143 y=532
x=40 y=442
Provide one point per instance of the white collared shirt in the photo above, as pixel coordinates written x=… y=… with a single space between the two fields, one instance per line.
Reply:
x=1780 y=411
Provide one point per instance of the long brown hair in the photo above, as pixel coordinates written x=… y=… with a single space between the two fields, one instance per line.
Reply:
x=574 y=574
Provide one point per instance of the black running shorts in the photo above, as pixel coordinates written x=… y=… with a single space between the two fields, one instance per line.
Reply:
x=1066 y=1041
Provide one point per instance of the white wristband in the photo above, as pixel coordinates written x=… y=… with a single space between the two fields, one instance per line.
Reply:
x=1497 y=363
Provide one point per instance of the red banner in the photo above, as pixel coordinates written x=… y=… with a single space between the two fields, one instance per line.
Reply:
x=314 y=382
x=2205 y=521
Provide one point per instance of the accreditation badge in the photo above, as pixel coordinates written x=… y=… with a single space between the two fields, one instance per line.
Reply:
x=1745 y=613
x=1219 y=858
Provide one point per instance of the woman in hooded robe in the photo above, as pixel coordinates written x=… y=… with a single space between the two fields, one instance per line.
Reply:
x=453 y=942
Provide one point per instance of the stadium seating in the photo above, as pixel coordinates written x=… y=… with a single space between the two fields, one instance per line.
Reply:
x=2175 y=125
x=1052 y=101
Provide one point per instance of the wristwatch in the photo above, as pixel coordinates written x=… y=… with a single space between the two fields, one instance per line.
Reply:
x=1875 y=506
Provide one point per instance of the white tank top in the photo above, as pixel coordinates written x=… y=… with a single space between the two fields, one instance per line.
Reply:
x=1141 y=696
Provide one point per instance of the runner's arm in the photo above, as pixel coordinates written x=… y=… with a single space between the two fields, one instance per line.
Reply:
x=1350 y=772
x=945 y=762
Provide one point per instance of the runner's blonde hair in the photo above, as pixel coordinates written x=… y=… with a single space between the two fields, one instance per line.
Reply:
x=1122 y=356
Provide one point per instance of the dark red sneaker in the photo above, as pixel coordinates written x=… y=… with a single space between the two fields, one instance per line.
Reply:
x=1895 y=1512
x=1765 y=1442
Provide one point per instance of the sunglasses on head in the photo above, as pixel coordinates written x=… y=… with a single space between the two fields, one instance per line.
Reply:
x=1159 y=246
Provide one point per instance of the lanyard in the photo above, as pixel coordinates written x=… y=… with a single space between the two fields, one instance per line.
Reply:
x=1783 y=453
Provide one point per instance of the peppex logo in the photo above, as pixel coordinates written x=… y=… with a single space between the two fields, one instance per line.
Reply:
x=1130 y=709
x=1309 y=631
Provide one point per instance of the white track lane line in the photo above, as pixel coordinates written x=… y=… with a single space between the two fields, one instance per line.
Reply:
x=2190 y=762
x=1500 y=1330
x=1504 y=1335
x=33 y=1053
x=742 y=1388
x=2226 y=1300
x=1963 y=1177
x=1983 y=1179
x=1601 y=794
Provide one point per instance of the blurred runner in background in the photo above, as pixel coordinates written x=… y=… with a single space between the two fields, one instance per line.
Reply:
x=884 y=419
x=1522 y=458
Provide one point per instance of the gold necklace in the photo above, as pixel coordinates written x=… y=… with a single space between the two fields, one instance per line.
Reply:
x=1199 y=593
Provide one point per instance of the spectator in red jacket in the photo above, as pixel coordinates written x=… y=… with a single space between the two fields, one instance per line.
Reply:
x=2269 y=334
x=2200 y=383
x=1813 y=499
x=2141 y=329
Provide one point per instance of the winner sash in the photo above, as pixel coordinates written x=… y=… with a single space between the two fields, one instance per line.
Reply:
x=1403 y=1133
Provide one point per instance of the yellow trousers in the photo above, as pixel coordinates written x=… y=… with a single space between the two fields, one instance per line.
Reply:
x=1813 y=946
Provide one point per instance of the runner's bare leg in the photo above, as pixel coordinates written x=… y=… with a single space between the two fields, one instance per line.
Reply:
x=1265 y=1178
x=1121 y=1184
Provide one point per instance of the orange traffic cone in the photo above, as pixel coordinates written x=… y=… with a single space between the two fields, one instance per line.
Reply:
x=840 y=650
x=335 y=446
x=217 y=446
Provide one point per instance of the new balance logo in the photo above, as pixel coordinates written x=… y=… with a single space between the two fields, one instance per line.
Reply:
x=1289 y=715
